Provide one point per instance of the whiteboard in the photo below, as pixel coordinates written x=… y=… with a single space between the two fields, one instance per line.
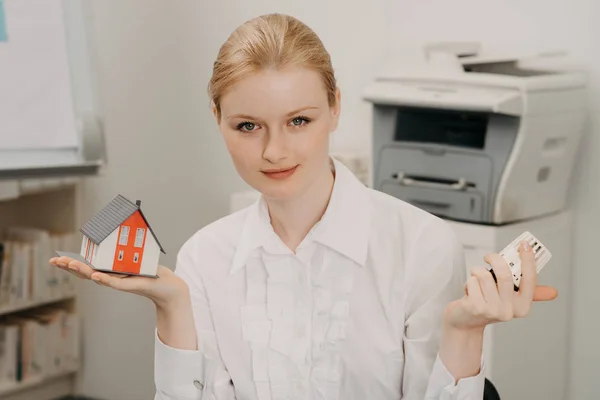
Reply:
x=36 y=101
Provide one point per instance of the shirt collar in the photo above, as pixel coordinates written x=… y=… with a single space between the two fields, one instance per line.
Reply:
x=344 y=226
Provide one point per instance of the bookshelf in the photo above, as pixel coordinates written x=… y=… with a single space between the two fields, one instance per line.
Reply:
x=28 y=305
x=48 y=204
x=20 y=387
x=40 y=188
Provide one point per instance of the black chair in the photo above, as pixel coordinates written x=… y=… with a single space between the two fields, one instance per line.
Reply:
x=489 y=391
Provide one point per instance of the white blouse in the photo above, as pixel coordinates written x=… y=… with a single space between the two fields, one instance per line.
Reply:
x=355 y=314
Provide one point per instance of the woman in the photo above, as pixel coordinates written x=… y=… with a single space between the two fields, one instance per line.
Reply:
x=323 y=289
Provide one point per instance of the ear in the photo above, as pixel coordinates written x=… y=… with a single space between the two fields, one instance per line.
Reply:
x=336 y=109
x=215 y=112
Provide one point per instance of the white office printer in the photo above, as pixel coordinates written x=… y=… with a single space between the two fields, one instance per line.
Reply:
x=478 y=138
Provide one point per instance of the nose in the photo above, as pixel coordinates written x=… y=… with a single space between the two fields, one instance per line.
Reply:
x=275 y=147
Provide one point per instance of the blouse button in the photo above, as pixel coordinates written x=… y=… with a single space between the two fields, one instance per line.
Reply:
x=198 y=385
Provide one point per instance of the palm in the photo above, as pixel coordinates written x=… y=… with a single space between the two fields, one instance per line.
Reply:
x=164 y=286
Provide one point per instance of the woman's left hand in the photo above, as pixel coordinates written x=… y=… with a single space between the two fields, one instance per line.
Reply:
x=486 y=302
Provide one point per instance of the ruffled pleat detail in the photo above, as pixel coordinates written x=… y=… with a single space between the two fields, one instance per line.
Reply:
x=295 y=322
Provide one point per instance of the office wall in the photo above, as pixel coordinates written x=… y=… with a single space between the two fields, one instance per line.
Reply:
x=145 y=98
x=527 y=25
x=153 y=60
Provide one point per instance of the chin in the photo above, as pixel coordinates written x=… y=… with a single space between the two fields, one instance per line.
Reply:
x=278 y=190
x=277 y=193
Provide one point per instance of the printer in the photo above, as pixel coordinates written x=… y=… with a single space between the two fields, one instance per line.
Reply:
x=475 y=137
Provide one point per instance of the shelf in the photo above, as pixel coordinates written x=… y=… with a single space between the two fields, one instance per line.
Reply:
x=33 y=304
x=7 y=389
x=51 y=171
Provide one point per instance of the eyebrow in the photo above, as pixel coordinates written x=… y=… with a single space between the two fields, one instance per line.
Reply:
x=245 y=116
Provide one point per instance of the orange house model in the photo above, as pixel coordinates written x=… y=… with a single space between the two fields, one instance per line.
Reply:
x=119 y=239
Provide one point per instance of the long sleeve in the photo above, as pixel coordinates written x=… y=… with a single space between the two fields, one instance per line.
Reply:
x=438 y=280
x=187 y=374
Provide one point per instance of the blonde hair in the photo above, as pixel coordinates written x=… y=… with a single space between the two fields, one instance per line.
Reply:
x=269 y=41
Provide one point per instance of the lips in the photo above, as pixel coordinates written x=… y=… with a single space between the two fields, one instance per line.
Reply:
x=281 y=173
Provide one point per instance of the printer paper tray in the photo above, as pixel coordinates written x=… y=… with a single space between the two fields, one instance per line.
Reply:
x=467 y=205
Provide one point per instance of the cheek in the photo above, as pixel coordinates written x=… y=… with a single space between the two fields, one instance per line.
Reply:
x=242 y=150
x=316 y=142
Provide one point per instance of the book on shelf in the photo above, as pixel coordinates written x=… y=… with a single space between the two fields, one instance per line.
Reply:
x=9 y=353
x=38 y=343
x=25 y=275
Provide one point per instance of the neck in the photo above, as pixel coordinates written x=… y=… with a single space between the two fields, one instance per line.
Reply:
x=292 y=219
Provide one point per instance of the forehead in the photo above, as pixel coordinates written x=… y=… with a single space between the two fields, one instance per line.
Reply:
x=275 y=92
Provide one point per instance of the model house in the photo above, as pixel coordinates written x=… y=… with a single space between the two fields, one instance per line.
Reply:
x=119 y=239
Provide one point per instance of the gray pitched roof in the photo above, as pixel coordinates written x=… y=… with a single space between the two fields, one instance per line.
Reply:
x=110 y=217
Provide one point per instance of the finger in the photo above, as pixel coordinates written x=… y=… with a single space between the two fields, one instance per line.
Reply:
x=77 y=266
x=544 y=293
x=529 y=273
x=474 y=293
x=55 y=262
x=486 y=283
x=503 y=277
x=63 y=265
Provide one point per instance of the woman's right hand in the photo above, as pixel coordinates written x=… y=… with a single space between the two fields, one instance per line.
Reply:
x=166 y=288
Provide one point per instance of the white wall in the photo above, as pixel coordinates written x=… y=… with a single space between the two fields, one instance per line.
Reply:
x=154 y=60
x=536 y=24
x=162 y=149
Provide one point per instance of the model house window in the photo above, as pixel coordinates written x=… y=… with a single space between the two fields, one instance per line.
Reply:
x=136 y=257
x=139 y=237
x=124 y=235
x=120 y=255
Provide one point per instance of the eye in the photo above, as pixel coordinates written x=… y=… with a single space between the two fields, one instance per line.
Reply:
x=246 y=126
x=299 y=121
